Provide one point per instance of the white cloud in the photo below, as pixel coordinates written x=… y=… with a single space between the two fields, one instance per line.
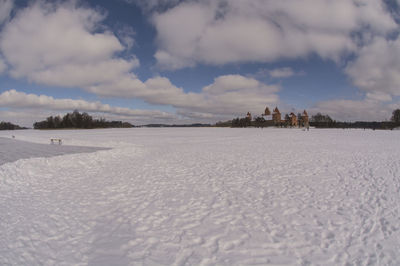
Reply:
x=355 y=110
x=15 y=99
x=228 y=31
x=284 y=72
x=236 y=94
x=227 y=95
x=377 y=67
x=66 y=45
x=157 y=90
x=61 y=45
x=5 y=9
x=126 y=34
x=71 y=75
x=379 y=96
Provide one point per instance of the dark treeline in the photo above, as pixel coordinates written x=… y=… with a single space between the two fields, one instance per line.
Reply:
x=246 y=122
x=78 y=120
x=241 y=122
x=185 y=125
x=9 y=126
x=358 y=124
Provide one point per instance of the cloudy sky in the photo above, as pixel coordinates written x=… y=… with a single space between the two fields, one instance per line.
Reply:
x=184 y=61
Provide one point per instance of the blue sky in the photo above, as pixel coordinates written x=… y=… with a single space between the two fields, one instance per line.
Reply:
x=171 y=61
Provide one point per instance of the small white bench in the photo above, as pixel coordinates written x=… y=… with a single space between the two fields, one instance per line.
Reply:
x=52 y=141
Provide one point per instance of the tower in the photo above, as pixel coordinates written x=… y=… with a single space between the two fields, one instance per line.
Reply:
x=276 y=116
x=267 y=111
x=249 y=116
x=293 y=120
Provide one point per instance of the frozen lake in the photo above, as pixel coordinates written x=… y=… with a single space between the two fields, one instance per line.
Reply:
x=203 y=196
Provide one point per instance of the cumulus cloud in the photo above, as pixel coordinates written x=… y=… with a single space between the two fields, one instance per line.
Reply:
x=377 y=67
x=62 y=45
x=379 y=96
x=227 y=95
x=67 y=45
x=228 y=31
x=157 y=90
x=5 y=9
x=71 y=75
x=356 y=110
x=231 y=31
x=15 y=99
x=236 y=94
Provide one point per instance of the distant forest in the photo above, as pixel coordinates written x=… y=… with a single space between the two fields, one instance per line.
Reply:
x=184 y=125
x=78 y=120
x=9 y=126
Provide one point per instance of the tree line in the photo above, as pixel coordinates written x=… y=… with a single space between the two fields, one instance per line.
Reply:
x=246 y=122
x=177 y=125
x=78 y=120
x=9 y=126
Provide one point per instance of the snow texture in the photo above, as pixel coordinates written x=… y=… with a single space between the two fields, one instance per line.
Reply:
x=203 y=197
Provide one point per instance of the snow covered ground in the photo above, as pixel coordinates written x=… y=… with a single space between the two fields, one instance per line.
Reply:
x=204 y=196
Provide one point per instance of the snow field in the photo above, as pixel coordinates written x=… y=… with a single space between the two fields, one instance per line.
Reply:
x=204 y=197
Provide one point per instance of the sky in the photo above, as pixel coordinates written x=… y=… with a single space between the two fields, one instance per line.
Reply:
x=198 y=61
